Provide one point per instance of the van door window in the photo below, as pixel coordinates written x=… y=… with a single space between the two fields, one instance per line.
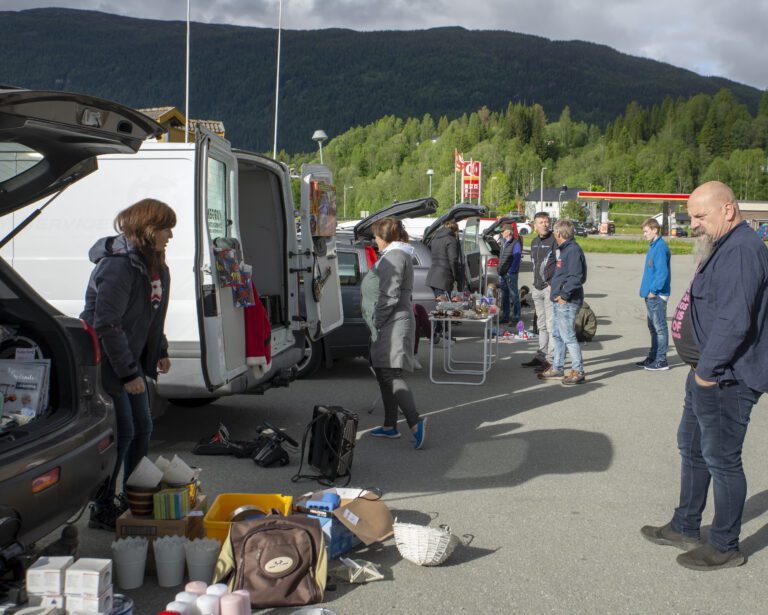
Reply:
x=216 y=204
x=470 y=236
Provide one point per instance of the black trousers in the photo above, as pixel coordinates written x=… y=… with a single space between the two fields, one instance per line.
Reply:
x=395 y=393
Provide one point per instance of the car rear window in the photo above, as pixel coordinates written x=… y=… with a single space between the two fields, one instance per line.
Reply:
x=15 y=159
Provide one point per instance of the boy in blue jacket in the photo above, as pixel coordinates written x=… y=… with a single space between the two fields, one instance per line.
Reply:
x=654 y=289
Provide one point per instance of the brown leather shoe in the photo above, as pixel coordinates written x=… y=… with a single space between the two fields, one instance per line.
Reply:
x=551 y=374
x=574 y=377
x=707 y=557
x=665 y=535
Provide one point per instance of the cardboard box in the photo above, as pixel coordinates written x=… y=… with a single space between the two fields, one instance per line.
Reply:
x=190 y=526
x=88 y=604
x=46 y=575
x=88 y=576
x=361 y=517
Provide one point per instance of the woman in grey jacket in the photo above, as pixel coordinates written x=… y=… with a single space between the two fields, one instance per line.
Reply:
x=126 y=302
x=386 y=306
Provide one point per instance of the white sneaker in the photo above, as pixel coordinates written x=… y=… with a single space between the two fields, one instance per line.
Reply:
x=416 y=364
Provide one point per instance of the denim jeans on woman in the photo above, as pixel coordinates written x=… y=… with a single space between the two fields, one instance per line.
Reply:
x=710 y=439
x=564 y=335
x=656 y=309
x=134 y=428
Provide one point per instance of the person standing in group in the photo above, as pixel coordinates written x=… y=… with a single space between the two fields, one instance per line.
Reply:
x=446 y=271
x=509 y=265
x=654 y=289
x=386 y=306
x=719 y=330
x=567 y=295
x=126 y=302
x=543 y=250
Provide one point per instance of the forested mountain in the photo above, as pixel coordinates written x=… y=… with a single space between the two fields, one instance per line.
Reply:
x=668 y=147
x=332 y=79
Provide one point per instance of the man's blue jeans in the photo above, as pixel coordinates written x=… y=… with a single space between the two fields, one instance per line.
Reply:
x=710 y=439
x=564 y=335
x=134 y=428
x=656 y=309
x=510 y=296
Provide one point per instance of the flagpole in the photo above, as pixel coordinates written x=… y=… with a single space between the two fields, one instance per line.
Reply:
x=186 y=93
x=277 y=76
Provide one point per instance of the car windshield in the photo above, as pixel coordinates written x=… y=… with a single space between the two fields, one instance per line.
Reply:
x=15 y=159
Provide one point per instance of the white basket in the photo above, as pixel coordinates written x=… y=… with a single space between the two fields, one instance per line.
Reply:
x=424 y=545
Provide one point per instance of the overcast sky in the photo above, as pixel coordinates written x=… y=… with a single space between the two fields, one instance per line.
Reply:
x=726 y=38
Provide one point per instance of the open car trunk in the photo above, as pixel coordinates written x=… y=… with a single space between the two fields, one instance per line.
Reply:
x=53 y=411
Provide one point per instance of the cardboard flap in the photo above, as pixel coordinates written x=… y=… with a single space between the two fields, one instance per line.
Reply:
x=369 y=520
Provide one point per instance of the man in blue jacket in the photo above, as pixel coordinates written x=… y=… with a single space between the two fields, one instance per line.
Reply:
x=509 y=266
x=567 y=295
x=654 y=289
x=719 y=329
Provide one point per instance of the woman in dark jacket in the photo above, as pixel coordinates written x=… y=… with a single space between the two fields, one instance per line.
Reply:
x=126 y=302
x=446 y=269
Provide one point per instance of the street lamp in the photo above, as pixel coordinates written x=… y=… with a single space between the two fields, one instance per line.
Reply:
x=430 y=173
x=541 y=188
x=563 y=188
x=318 y=137
x=345 y=199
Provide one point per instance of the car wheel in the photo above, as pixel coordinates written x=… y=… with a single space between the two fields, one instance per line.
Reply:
x=192 y=402
x=313 y=357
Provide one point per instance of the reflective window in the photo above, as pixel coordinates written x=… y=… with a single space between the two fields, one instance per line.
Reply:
x=349 y=268
x=470 y=235
x=15 y=159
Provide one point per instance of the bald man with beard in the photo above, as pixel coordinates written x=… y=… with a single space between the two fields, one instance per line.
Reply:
x=719 y=330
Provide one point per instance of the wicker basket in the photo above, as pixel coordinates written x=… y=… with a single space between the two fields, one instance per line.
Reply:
x=424 y=545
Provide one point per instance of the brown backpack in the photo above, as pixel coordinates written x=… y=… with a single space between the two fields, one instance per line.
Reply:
x=280 y=561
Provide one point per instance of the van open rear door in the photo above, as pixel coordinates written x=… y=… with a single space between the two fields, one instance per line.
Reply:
x=322 y=291
x=222 y=326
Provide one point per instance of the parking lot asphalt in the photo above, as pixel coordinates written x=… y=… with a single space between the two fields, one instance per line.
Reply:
x=549 y=485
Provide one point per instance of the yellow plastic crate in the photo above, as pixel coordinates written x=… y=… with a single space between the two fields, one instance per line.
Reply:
x=216 y=521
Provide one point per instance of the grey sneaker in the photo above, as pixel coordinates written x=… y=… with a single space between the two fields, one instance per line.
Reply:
x=574 y=377
x=707 y=557
x=665 y=535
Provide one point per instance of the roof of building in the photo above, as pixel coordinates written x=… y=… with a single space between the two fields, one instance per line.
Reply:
x=552 y=195
x=215 y=126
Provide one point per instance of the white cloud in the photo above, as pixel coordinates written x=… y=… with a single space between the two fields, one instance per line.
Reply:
x=714 y=37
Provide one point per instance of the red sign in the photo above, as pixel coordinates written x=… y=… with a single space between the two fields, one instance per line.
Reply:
x=470 y=180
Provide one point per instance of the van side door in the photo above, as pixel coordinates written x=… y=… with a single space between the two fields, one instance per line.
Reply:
x=322 y=291
x=221 y=322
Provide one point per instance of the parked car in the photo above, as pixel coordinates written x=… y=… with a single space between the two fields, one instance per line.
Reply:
x=51 y=466
x=357 y=253
x=579 y=229
x=481 y=251
x=678 y=231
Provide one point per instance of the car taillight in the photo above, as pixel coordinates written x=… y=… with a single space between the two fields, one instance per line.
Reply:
x=370 y=256
x=493 y=262
x=94 y=339
x=105 y=443
x=42 y=482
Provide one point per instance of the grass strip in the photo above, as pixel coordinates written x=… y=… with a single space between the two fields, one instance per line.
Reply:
x=608 y=245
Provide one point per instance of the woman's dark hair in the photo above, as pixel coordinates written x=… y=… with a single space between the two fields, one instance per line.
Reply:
x=452 y=226
x=390 y=229
x=140 y=222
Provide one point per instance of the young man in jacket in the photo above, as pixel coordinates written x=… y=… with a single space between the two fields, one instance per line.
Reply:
x=543 y=249
x=654 y=289
x=720 y=330
x=567 y=295
x=509 y=266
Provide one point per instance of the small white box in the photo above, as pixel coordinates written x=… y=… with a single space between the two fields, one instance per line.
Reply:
x=46 y=575
x=88 y=577
x=88 y=604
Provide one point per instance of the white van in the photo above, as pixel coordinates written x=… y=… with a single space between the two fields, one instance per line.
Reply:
x=216 y=192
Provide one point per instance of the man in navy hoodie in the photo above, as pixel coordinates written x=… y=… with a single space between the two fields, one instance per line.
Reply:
x=654 y=289
x=567 y=295
x=719 y=330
